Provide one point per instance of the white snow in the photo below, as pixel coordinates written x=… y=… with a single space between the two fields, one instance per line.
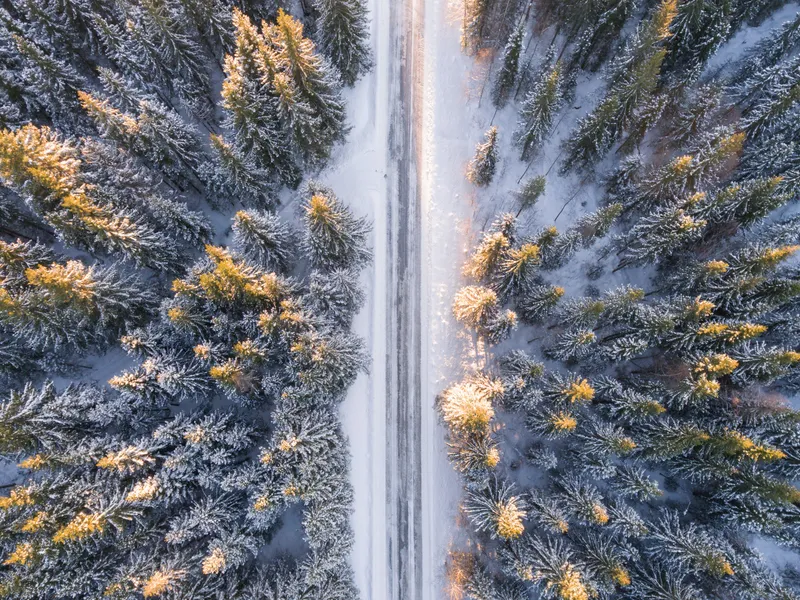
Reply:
x=359 y=179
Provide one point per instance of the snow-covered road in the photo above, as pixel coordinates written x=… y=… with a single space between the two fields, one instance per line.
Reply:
x=403 y=166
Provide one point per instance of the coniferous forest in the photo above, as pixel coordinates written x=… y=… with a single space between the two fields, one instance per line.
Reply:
x=629 y=426
x=127 y=130
x=180 y=291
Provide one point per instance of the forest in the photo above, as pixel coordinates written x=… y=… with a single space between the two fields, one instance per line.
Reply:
x=146 y=151
x=627 y=426
x=180 y=294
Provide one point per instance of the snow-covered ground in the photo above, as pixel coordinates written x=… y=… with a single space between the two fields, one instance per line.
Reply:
x=359 y=179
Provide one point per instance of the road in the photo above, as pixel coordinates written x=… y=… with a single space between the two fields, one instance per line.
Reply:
x=406 y=494
x=404 y=397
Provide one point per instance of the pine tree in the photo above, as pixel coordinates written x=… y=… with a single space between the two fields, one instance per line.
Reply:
x=632 y=482
x=51 y=81
x=343 y=36
x=769 y=50
x=694 y=115
x=467 y=406
x=233 y=175
x=492 y=249
x=212 y=20
x=746 y=203
x=161 y=41
x=655 y=581
x=251 y=111
x=474 y=456
x=538 y=302
x=473 y=24
x=475 y=306
x=155 y=133
x=770 y=110
x=571 y=345
x=336 y=295
x=264 y=239
x=595 y=42
x=689 y=546
x=46 y=171
x=759 y=362
x=518 y=270
x=700 y=28
x=482 y=167
x=634 y=78
x=549 y=564
x=509 y=69
x=315 y=83
x=537 y=111
x=530 y=192
x=688 y=174
x=594 y=135
x=334 y=238
x=656 y=237
x=495 y=509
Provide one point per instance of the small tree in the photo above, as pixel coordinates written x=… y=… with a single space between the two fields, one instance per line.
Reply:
x=482 y=168
x=467 y=406
x=530 y=192
x=509 y=68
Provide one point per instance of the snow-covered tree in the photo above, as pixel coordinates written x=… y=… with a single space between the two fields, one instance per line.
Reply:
x=506 y=77
x=334 y=237
x=342 y=26
x=482 y=167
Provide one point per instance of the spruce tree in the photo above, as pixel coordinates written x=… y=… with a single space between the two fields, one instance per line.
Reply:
x=264 y=239
x=482 y=167
x=506 y=77
x=538 y=109
x=46 y=172
x=295 y=55
x=342 y=26
x=334 y=238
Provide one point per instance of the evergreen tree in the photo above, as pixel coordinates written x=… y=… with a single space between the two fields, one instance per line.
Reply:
x=251 y=110
x=694 y=115
x=51 y=81
x=295 y=55
x=656 y=237
x=482 y=167
x=530 y=192
x=46 y=172
x=537 y=302
x=496 y=510
x=509 y=69
x=473 y=24
x=537 y=111
x=595 y=42
x=492 y=249
x=264 y=239
x=594 y=135
x=161 y=41
x=699 y=29
x=634 y=78
x=689 y=546
x=234 y=175
x=336 y=295
x=343 y=36
x=475 y=306
x=334 y=238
